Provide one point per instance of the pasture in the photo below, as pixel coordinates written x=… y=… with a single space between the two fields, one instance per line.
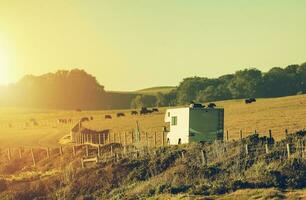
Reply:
x=276 y=114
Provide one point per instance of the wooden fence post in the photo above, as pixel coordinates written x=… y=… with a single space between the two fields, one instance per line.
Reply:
x=82 y=162
x=163 y=138
x=255 y=132
x=270 y=134
x=286 y=132
x=147 y=139
x=132 y=135
x=9 y=154
x=73 y=150
x=267 y=148
x=48 y=152
x=103 y=138
x=240 y=134
x=99 y=151
x=226 y=135
x=125 y=143
x=155 y=139
x=111 y=150
x=20 y=153
x=246 y=149
x=33 y=157
x=204 y=157
x=61 y=150
x=288 y=150
x=99 y=139
x=108 y=138
x=87 y=151
x=119 y=137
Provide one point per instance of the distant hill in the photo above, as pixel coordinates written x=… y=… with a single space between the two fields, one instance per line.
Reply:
x=155 y=90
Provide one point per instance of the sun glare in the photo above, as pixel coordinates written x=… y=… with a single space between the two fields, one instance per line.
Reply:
x=4 y=71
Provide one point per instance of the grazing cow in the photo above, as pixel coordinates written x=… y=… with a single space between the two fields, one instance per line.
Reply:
x=120 y=114
x=84 y=119
x=91 y=118
x=145 y=111
x=155 y=110
x=249 y=100
x=196 y=105
x=211 y=105
x=134 y=112
x=108 y=117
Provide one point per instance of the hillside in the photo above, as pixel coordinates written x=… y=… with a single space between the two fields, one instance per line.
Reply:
x=276 y=114
x=155 y=90
x=226 y=170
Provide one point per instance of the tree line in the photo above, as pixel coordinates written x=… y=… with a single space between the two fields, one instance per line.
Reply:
x=74 y=89
x=277 y=82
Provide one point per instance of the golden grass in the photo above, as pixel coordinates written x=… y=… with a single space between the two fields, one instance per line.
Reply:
x=276 y=114
x=251 y=194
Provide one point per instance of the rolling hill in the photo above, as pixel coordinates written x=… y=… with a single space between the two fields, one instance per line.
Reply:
x=276 y=114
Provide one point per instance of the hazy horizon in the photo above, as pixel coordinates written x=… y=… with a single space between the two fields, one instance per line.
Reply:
x=133 y=45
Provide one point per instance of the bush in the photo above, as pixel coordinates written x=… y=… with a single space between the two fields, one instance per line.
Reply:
x=276 y=179
x=179 y=189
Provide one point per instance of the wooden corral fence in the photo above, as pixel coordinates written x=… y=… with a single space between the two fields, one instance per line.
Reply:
x=153 y=138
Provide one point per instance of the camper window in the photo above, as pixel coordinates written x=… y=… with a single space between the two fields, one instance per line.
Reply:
x=174 y=120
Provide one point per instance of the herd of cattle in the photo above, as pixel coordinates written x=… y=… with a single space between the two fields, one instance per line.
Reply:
x=143 y=111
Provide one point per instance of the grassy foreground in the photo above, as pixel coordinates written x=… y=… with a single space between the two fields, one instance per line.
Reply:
x=173 y=172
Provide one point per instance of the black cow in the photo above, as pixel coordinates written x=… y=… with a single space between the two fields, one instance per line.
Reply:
x=211 y=105
x=249 y=100
x=108 y=117
x=145 y=111
x=155 y=110
x=120 y=114
x=196 y=105
x=133 y=112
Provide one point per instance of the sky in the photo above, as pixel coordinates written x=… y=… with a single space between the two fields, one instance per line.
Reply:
x=135 y=44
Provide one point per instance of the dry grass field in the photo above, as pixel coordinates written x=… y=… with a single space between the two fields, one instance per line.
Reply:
x=259 y=194
x=276 y=114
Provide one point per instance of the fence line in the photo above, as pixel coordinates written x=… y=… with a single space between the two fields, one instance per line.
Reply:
x=109 y=147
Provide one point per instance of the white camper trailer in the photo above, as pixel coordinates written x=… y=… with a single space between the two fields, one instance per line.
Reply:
x=194 y=124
